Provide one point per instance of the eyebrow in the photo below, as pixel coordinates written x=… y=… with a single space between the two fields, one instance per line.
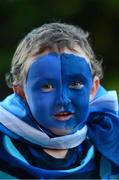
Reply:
x=77 y=74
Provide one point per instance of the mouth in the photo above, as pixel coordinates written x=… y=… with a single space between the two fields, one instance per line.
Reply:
x=63 y=116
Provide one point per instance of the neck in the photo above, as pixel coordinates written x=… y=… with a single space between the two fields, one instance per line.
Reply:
x=57 y=153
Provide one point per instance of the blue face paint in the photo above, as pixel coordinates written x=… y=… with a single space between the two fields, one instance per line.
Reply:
x=57 y=89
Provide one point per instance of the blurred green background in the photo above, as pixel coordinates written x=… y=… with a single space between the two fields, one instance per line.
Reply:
x=99 y=17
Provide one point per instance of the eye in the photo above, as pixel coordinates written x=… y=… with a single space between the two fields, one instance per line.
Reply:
x=76 y=85
x=47 y=87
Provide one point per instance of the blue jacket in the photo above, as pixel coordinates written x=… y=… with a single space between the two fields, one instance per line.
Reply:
x=97 y=157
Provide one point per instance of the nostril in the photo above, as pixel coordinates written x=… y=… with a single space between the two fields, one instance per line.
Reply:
x=63 y=101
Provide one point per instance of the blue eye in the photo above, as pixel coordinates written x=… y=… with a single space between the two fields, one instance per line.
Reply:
x=47 y=87
x=76 y=85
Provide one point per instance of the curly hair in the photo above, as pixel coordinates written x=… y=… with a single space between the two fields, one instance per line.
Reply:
x=60 y=34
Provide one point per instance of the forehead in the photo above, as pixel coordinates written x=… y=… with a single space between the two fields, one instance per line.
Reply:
x=55 y=64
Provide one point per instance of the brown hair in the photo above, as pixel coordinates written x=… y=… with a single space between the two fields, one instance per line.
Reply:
x=60 y=34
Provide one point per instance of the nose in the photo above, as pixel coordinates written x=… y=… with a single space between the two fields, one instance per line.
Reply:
x=63 y=100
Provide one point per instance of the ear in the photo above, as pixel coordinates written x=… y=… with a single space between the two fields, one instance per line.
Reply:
x=95 y=86
x=18 y=90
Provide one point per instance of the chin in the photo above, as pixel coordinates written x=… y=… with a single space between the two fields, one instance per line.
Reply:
x=61 y=132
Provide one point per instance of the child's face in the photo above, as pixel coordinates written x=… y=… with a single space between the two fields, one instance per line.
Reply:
x=57 y=90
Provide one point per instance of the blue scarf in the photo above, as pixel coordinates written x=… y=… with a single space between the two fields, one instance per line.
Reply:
x=103 y=123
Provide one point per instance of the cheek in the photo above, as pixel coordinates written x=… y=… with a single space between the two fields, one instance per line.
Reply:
x=40 y=103
x=81 y=99
x=46 y=104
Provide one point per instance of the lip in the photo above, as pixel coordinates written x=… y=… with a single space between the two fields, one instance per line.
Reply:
x=63 y=116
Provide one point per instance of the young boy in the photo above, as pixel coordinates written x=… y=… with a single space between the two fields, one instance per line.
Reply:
x=59 y=123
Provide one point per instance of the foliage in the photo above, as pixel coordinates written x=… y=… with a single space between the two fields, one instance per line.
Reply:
x=99 y=17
